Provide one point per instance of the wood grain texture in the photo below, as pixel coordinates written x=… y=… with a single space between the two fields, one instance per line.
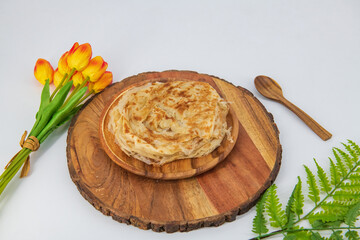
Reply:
x=209 y=199
x=182 y=168
x=271 y=89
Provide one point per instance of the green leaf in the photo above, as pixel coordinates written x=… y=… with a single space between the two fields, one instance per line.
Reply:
x=339 y=163
x=274 y=208
x=335 y=175
x=289 y=212
x=352 y=215
x=346 y=196
x=336 y=235
x=259 y=222
x=301 y=235
x=352 y=235
x=356 y=148
x=324 y=180
x=320 y=224
x=298 y=203
x=316 y=236
x=314 y=193
x=346 y=158
x=45 y=96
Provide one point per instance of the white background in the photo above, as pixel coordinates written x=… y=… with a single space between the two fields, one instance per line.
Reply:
x=312 y=48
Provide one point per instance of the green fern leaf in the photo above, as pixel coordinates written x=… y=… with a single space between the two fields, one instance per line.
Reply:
x=354 y=178
x=289 y=212
x=320 y=224
x=298 y=204
x=336 y=235
x=352 y=152
x=352 y=215
x=301 y=235
x=316 y=236
x=345 y=157
x=334 y=207
x=259 y=222
x=324 y=180
x=351 y=187
x=346 y=196
x=274 y=208
x=355 y=147
x=314 y=193
x=352 y=235
x=334 y=173
x=325 y=217
x=339 y=164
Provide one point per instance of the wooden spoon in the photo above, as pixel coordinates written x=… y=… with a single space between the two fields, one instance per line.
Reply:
x=271 y=89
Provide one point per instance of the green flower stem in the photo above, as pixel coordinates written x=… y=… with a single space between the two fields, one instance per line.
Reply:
x=77 y=88
x=13 y=168
x=63 y=82
x=86 y=96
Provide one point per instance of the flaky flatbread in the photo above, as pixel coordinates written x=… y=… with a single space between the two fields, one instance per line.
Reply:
x=161 y=122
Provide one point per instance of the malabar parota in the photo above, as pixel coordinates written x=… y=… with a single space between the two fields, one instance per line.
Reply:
x=162 y=122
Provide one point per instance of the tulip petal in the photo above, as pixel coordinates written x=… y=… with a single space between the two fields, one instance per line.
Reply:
x=63 y=65
x=77 y=79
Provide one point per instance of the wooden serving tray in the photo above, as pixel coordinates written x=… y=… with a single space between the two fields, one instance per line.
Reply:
x=232 y=187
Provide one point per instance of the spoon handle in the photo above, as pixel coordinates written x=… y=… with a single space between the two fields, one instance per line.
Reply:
x=317 y=128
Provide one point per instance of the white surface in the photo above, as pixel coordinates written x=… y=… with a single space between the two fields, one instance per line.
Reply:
x=312 y=48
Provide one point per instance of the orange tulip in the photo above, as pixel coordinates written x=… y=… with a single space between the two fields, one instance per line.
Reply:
x=43 y=71
x=95 y=69
x=63 y=65
x=104 y=81
x=79 y=57
x=78 y=79
x=58 y=77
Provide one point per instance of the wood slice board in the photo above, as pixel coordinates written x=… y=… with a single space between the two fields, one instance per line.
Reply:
x=209 y=199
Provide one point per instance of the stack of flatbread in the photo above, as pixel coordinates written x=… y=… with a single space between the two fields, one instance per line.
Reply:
x=162 y=122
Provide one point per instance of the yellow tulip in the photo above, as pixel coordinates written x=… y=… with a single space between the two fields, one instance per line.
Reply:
x=97 y=66
x=77 y=79
x=79 y=57
x=43 y=71
x=104 y=81
x=58 y=77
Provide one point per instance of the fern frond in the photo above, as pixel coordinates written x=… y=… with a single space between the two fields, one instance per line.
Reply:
x=355 y=147
x=354 y=178
x=316 y=236
x=346 y=196
x=323 y=179
x=314 y=193
x=325 y=216
x=298 y=235
x=289 y=212
x=259 y=222
x=351 y=187
x=339 y=164
x=334 y=173
x=298 y=204
x=336 y=207
x=336 y=235
x=346 y=157
x=352 y=215
x=352 y=235
x=352 y=152
x=274 y=208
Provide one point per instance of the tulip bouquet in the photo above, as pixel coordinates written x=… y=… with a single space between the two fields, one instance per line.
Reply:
x=77 y=77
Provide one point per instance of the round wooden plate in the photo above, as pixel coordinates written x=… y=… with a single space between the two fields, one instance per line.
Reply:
x=182 y=168
x=230 y=188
